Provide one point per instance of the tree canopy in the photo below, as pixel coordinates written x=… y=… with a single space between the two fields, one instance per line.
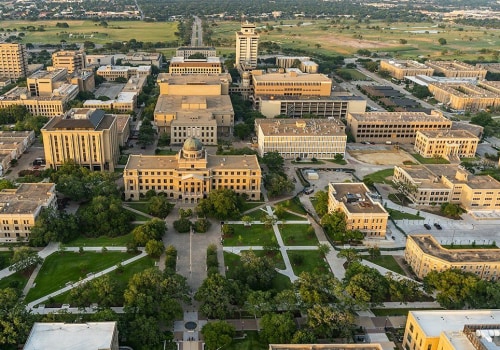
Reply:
x=222 y=204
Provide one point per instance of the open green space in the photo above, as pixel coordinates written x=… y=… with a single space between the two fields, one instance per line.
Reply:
x=355 y=74
x=256 y=214
x=256 y=235
x=307 y=261
x=250 y=341
x=288 y=216
x=380 y=176
x=298 y=235
x=63 y=267
x=399 y=215
x=138 y=217
x=433 y=160
x=82 y=30
x=339 y=162
x=250 y=205
x=103 y=241
x=4 y=259
x=141 y=206
x=16 y=280
x=386 y=261
x=294 y=205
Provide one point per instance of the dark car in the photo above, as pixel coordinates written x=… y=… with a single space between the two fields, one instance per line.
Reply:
x=436 y=225
x=427 y=226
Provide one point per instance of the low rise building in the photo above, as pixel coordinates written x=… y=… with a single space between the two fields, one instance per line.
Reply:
x=441 y=183
x=452 y=330
x=89 y=137
x=361 y=212
x=75 y=336
x=12 y=145
x=124 y=102
x=206 y=65
x=466 y=96
x=400 y=69
x=191 y=174
x=19 y=208
x=188 y=51
x=111 y=73
x=194 y=84
x=143 y=59
x=395 y=127
x=449 y=144
x=290 y=84
x=43 y=83
x=456 y=69
x=85 y=80
x=72 y=61
x=301 y=138
x=424 y=254
x=304 y=63
x=100 y=60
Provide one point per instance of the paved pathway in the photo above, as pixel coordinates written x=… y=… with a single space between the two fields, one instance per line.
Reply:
x=45 y=252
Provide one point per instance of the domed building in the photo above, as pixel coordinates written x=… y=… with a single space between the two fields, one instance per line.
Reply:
x=191 y=174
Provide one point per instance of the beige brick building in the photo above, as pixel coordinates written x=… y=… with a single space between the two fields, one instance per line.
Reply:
x=396 y=127
x=143 y=59
x=13 y=61
x=400 y=69
x=305 y=64
x=191 y=174
x=361 y=212
x=456 y=69
x=290 y=84
x=194 y=84
x=247 y=46
x=72 y=61
x=111 y=73
x=187 y=51
x=441 y=183
x=450 y=330
x=469 y=97
x=43 y=83
x=87 y=136
x=424 y=254
x=449 y=144
x=20 y=207
x=303 y=138
x=207 y=65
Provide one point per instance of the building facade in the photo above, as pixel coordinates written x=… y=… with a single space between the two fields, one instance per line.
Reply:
x=400 y=69
x=143 y=59
x=187 y=51
x=13 y=61
x=89 y=137
x=361 y=212
x=206 y=65
x=466 y=96
x=43 y=83
x=435 y=184
x=456 y=69
x=290 y=84
x=247 y=47
x=19 y=208
x=191 y=174
x=301 y=138
x=111 y=73
x=448 y=144
x=395 y=127
x=424 y=254
x=72 y=61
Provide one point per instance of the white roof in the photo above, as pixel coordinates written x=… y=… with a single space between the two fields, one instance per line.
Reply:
x=75 y=336
x=435 y=322
x=126 y=96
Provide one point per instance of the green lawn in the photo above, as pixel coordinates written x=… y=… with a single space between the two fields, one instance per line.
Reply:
x=287 y=216
x=355 y=74
x=103 y=241
x=250 y=342
x=433 y=160
x=386 y=261
x=250 y=205
x=17 y=280
x=294 y=205
x=339 y=162
x=138 y=217
x=380 y=176
x=4 y=259
x=399 y=215
x=311 y=261
x=257 y=235
x=63 y=267
x=297 y=235
x=256 y=214
x=141 y=206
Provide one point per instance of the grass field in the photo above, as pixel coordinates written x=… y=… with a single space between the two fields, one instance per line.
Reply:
x=433 y=160
x=355 y=74
x=291 y=216
x=4 y=259
x=120 y=241
x=388 y=262
x=251 y=341
x=257 y=235
x=60 y=268
x=311 y=261
x=17 y=279
x=297 y=235
x=380 y=176
x=81 y=31
x=138 y=217
x=141 y=206
x=256 y=214
x=294 y=205
x=250 y=205
x=399 y=215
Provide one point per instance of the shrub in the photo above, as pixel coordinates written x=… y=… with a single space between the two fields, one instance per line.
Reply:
x=202 y=225
x=182 y=225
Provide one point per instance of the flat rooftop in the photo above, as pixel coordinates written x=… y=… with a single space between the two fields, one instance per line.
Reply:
x=193 y=79
x=436 y=321
x=407 y=64
x=453 y=65
x=448 y=134
x=75 y=336
x=303 y=127
x=325 y=346
x=355 y=198
x=466 y=90
x=173 y=103
x=209 y=59
x=44 y=74
x=19 y=93
x=304 y=98
x=399 y=117
x=26 y=198
x=430 y=246
x=122 y=121
x=243 y=162
x=291 y=77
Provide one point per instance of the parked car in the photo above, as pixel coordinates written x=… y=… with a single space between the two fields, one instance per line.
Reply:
x=436 y=225
x=427 y=226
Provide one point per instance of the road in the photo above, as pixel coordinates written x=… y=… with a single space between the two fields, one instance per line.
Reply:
x=197 y=33
x=140 y=10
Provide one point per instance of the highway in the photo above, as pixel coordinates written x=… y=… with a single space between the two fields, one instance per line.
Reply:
x=197 y=34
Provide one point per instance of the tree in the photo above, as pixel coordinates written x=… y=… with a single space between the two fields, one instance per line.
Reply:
x=242 y=130
x=321 y=205
x=202 y=225
x=304 y=336
x=350 y=254
x=217 y=334
x=442 y=41
x=183 y=225
x=257 y=272
x=217 y=296
x=362 y=281
x=277 y=328
x=155 y=248
x=374 y=252
x=259 y=302
x=54 y=226
x=452 y=210
x=277 y=184
x=274 y=161
x=6 y=184
x=146 y=133
x=403 y=41
x=24 y=258
x=324 y=249
x=15 y=320
x=222 y=204
x=151 y=230
x=105 y=216
x=145 y=332
x=160 y=206
x=328 y=322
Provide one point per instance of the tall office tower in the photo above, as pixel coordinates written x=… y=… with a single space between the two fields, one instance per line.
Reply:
x=13 y=61
x=71 y=60
x=247 y=44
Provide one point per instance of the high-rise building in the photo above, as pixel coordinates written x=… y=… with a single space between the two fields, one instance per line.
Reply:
x=71 y=60
x=13 y=61
x=247 y=44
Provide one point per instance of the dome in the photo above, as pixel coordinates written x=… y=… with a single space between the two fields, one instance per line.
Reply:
x=192 y=144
